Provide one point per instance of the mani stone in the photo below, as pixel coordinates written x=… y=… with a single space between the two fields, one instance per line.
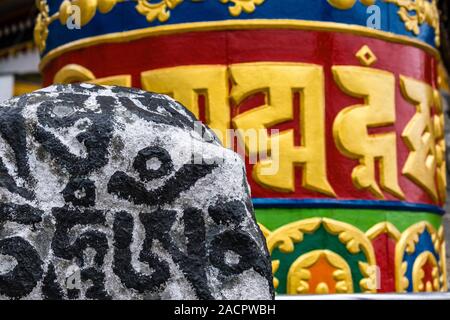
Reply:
x=116 y=193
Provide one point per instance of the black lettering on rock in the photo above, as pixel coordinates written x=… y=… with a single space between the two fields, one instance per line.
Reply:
x=128 y=188
x=12 y=130
x=73 y=294
x=231 y=212
x=20 y=281
x=250 y=256
x=96 y=145
x=60 y=112
x=97 y=290
x=173 y=114
x=123 y=234
x=80 y=192
x=66 y=219
x=172 y=118
x=192 y=263
x=81 y=136
x=95 y=138
x=51 y=290
x=159 y=154
x=7 y=182
x=23 y=213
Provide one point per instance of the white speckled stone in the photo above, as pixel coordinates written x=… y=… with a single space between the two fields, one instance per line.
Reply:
x=100 y=198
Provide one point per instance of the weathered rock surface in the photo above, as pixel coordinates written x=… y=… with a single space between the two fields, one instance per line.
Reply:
x=108 y=192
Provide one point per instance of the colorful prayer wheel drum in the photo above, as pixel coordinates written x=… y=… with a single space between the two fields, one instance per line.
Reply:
x=348 y=171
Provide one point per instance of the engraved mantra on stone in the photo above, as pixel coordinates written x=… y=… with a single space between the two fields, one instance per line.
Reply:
x=100 y=199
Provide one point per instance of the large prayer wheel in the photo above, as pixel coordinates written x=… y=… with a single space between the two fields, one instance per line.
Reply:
x=335 y=102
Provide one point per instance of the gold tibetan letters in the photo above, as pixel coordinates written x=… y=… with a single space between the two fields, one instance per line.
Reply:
x=439 y=135
x=420 y=167
x=279 y=82
x=76 y=73
x=186 y=84
x=350 y=128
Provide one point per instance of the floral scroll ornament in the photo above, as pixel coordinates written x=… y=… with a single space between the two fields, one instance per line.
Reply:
x=161 y=10
x=248 y=6
x=300 y=274
x=286 y=237
x=413 y=13
x=407 y=244
x=87 y=10
x=443 y=265
x=41 y=26
x=152 y=10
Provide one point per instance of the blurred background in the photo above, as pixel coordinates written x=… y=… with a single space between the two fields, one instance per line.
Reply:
x=19 y=58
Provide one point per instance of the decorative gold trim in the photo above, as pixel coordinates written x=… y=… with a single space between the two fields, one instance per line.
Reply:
x=443 y=260
x=443 y=278
x=160 y=10
x=248 y=6
x=266 y=232
x=285 y=237
x=41 y=26
x=356 y=241
x=407 y=242
x=381 y=228
x=126 y=36
x=368 y=284
x=73 y=73
x=366 y=56
x=443 y=78
x=88 y=9
x=299 y=275
x=424 y=12
x=76 y=73
x=275 y=266
x=418 y=273
x=352 y=237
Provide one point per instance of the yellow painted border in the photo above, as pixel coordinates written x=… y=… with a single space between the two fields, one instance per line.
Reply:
x=407 y=243
x=126 y=36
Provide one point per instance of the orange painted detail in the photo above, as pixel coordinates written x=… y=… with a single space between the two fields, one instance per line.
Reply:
x=322 y=273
